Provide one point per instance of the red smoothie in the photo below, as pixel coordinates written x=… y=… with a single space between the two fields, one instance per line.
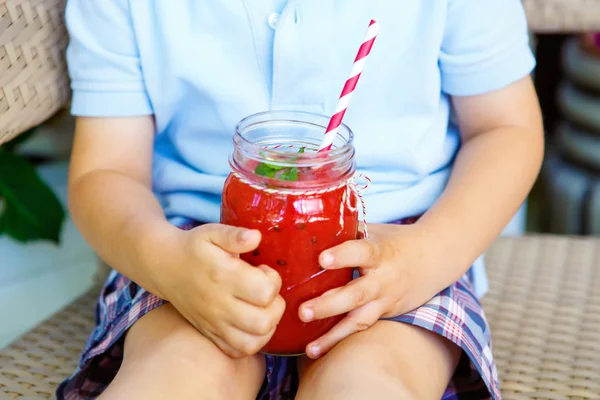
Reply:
x=295 y=229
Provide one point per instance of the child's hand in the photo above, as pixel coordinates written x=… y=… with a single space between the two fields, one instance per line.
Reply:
x=397 y=276
x=235 y=305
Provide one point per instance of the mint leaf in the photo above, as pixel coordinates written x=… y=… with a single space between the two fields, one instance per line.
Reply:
x=270 y=171
x=267 y=170
x=290 y=175
x=31 y=211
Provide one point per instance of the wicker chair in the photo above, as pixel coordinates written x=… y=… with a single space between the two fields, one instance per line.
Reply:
x=543 y=307
x=544 y=300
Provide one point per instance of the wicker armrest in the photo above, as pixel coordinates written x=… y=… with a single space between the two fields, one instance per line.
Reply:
x=33 y=75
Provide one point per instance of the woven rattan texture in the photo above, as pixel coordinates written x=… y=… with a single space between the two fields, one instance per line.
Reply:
x=544 y=310
x=544 y=307
x=33 y=366
x=563 y=15
x=33 y=74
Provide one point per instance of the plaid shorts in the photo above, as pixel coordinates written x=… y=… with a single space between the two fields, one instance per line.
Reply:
x=455 y=313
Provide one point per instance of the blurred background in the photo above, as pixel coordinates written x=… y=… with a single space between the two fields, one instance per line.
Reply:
x=41 y=273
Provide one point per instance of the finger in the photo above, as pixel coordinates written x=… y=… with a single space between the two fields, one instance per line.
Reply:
x=257 y=320
x=225 y=348
x=256 y=285
x=216 y=340
x=354 y=253
x=356 y=321
x=273 y=276
x=244 y=342
x=230 y=238
x=341 y=300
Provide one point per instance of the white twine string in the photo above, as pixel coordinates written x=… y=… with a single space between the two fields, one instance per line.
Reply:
x=357 y=189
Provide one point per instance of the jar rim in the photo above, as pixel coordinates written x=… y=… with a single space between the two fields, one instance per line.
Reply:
x=335 y=151
x=270 y=137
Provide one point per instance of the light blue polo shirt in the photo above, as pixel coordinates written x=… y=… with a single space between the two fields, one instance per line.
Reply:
x=199 y=66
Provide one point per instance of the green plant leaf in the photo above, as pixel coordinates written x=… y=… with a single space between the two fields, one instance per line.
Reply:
x=31 y=210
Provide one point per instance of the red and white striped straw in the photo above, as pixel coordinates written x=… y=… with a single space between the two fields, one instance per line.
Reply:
x=346 y=96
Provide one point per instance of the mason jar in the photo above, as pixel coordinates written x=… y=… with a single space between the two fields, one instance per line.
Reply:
x=302 y=203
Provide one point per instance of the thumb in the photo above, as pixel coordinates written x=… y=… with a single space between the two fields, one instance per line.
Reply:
x=230 y=238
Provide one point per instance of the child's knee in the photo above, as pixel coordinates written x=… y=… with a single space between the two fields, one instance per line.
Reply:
x=352 y=364
x=382 y=357
x=352 y=374
x=178 y=350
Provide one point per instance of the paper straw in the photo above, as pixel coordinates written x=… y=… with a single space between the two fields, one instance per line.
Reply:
x=349 y=87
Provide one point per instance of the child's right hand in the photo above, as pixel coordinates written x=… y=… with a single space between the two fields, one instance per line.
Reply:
x=235 y=305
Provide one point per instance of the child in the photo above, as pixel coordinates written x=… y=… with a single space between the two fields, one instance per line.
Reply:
x=447 y=126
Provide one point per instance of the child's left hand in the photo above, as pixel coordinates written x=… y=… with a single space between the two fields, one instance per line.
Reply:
x=397 y=264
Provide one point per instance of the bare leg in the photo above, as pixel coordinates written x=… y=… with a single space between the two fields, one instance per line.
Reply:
x=390 y=360
x=166 y=358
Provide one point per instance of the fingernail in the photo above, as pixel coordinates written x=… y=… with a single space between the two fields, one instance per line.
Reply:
x=326 y=259
x=314 y=350
x=308 y=314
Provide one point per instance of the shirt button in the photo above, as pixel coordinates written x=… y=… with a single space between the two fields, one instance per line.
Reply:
x=273 y=20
